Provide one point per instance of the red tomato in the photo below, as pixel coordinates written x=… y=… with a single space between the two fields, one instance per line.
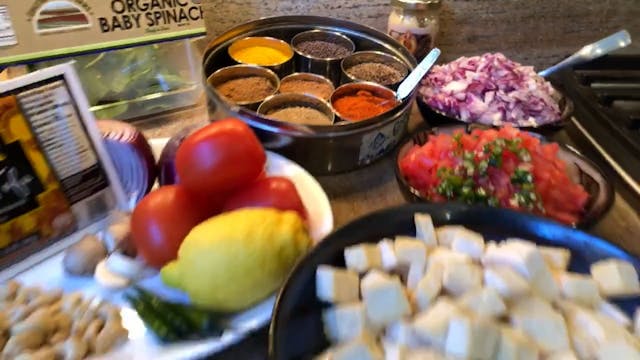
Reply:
x=221 y=157
x=274 y=192
x=161 y=221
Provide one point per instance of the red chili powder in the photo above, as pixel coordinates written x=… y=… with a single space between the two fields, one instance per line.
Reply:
x=362 y=105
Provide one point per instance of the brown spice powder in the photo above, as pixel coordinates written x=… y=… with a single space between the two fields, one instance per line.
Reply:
x=246 y=89
x=301 y=115
x=311 y=87
x=382 y=74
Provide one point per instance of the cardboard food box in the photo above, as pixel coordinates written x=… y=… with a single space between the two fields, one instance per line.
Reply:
x=32 y=30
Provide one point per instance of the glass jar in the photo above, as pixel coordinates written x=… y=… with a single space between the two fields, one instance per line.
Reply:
x=415 y=24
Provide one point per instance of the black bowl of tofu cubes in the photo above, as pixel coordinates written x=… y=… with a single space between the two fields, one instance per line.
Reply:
x=436 y=281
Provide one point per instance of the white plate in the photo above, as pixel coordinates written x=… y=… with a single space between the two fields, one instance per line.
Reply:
x=142 y=345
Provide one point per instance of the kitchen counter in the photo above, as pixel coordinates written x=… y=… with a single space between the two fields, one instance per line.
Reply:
x=374 y=187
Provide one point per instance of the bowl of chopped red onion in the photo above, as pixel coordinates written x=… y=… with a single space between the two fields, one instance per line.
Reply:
x=504 y=167
x=491 y=90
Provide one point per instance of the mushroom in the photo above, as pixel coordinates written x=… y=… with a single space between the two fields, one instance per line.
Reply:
x=82 y=257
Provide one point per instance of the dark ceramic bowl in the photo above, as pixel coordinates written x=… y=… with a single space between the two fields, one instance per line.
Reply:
x=296 y=326
x=581 y=170
x=435 y=118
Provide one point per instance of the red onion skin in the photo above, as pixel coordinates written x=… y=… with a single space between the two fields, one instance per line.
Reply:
x=166 y=162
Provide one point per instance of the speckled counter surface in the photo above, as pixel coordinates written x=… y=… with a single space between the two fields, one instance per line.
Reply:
x=532 y=32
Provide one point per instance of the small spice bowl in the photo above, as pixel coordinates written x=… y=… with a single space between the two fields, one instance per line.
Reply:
x=374 y=66
x=307 y=83
x=320 y=52
x=367 y=100
x=265 y=51
x=245 y=78
x=297 y=108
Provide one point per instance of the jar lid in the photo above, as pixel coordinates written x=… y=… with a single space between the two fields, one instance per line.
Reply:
x=416 y=4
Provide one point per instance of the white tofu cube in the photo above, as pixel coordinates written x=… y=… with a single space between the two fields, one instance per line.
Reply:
x=614 y=313
x=471 y=338
x=508 y=283
x=615 y=278
x=447 y=233
x=483 y=303
x=522 y=256
x=468 y=242
x=394 y=351
x=445 y=257
x=425 y=230
x=337 y=285
x=363 y=257
x=531 y=305
x=617 y=350
x=384 y=298
x=344 y=322
x=579 y=288
x=556 y=258
x=387 y=254
x=562 y=355
x=431 y=325
x=358 y=349
x=401 y=332
x=545 y=327
x=461 y=278
x=410 y=250
x=429 y=287
x=544 y=284
x=514 y=345
x=415 y=274
x=423 y=354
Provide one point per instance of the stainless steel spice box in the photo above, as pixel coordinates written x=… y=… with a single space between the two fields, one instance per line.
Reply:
x=320 y=149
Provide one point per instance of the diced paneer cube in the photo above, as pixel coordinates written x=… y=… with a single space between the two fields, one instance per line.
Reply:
x=344 y=322
x=461 y=278
x=508 y=283
x=615 y=277
x=410 y=250
x=447 y=233
x=522 y=256
x=468 y=242
x=363 y=257
x=544 y=284
x=431 y=325
x=614 y=313
x=425 y=230
x=562 y=355
x=384 y=298
x=423 y=354
x=401 y=332
x=387 y=254
x=394 y=351
x=471 y=338
x=483 y=303
x=337 y=285
x=556 y=258
x=358 y=349
x=579 y=288
x=618 y=350
x=546 y=327
x=514 y=345
x=445 y=256
x=429 y=286
x=415 y=274
x=636 y=322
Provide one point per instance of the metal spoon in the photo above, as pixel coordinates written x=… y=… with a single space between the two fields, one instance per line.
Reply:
x=592 y=51
x=413 y=79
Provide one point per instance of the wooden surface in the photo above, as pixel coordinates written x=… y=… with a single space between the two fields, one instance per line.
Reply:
x=538 y=33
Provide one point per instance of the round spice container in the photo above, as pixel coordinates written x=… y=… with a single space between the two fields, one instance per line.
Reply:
x=320 y=52
x=306 y=83
x=297 y=108
x=415 y=24
x=374 y=66
x=362 y=101
x=269 y=52
x=244 y=85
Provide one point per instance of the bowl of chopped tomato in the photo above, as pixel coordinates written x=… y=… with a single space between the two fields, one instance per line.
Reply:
x=504 y=167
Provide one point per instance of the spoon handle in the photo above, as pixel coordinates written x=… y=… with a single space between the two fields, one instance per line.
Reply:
x=407 y=86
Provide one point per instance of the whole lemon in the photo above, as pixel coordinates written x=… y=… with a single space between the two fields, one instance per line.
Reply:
x=235 y=259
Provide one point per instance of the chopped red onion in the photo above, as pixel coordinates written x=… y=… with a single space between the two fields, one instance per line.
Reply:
x=491 y=90
x=132 y=157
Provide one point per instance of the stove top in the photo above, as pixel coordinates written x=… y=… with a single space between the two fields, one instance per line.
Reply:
x=606 y=93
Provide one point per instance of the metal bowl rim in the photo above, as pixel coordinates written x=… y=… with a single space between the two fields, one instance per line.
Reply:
x=335 y=33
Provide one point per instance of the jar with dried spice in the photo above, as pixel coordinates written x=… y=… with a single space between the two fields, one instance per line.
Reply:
x=415 y=24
